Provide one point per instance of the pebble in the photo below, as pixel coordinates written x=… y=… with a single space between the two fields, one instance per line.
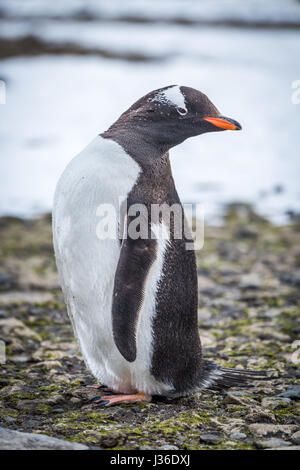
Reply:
x=9 y=419
x=75 y=400
x=238 y=435
x=15 y=440
x=274 y=403
x=250 y=281
x=272 y=443
x=287 y=448
x=20 y=359
x=210 y=438
x=168 y=447
x=296 y=438
x=292 y=392
x=234 y=399
x=261 y=429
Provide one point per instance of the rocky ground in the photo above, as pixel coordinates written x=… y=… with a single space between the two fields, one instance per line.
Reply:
x=249 y=278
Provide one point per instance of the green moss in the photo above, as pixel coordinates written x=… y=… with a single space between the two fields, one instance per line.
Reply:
x=273 y=301
x=44 y=408
x=49 y=388
x=19 y=396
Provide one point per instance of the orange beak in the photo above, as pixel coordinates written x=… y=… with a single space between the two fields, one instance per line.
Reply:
x=224 y=123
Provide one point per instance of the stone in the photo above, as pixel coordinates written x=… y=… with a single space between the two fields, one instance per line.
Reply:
x=9 y=419
x=18 y=297
x=15 y=440
x=244 y=232
x=20 y=359
x=210 y=438
x=12 y=326
x=250 y=281
x=292 y=392
x=264 y=416
x=75 y=400
x=235 y=399
x=238 y=435
x=168 y=447
x=274 y=402
x=48 y=365
x=296 y=438
x=261 y=429
x=272 y=443
x=285 y=448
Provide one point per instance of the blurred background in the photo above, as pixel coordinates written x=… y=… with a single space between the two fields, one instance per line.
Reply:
x=72 y=67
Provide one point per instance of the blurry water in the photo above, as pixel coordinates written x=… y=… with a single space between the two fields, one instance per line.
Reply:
x=57 y=104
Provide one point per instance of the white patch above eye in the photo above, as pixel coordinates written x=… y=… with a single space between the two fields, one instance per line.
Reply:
x=172 y=96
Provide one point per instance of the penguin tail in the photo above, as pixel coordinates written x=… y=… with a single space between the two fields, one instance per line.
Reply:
x=215 y=377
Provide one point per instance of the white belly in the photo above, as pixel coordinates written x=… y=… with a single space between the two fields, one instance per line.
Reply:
x=101 y=174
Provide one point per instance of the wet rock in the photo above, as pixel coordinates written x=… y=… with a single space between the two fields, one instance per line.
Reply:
x=292 y=392
x=262 y=332
x=112 y=440
x=295 y=438
x=48 y=365
x=250 y=281
x=260 y=429
x=168 y=447
x=286 y=448
x=291 y=278
x=210 y=438
x=21 y=359
x=17 y=327
x=244 y=232
x=9 y=419
x=236 y=399
x=272 y=443
x=7 y=282
x=75 y=400
x=16 y=297
x=18 y=386
x=63 y=378
x=15 y=440
x=274 y=403
x=238 y=435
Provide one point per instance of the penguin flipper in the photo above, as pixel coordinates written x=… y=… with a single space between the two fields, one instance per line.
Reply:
x=136 y=258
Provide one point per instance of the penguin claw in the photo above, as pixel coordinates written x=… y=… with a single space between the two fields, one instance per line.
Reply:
x=104 y=403
x=96 y=399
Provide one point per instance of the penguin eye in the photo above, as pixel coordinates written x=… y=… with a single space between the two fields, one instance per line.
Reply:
x=182 y=111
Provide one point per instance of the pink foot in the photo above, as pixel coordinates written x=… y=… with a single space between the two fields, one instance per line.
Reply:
x=110 y=400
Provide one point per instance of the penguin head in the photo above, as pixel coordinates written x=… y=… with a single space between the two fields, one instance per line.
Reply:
x=174 y=113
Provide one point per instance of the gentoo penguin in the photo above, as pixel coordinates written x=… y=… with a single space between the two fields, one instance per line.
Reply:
x=133 y=299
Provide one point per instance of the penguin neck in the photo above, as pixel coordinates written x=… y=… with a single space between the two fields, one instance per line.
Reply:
x=139 y=145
